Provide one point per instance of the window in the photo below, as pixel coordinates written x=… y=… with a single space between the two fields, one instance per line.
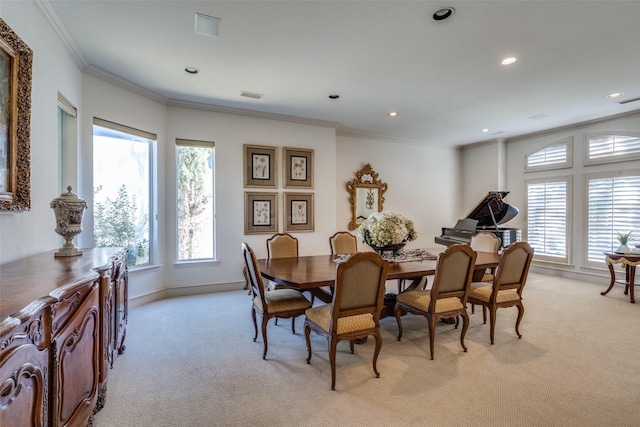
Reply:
x=612 y=147
x=548 y=222
x=67 y=145
x=122 y=193
x=555 y=156
x=195 y=174
x=613 y=205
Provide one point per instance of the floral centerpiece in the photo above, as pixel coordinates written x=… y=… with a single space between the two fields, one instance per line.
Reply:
x=387 y=231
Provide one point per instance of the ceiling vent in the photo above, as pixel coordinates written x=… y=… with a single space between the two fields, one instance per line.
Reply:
x=629 y=100
x=251 y=95
x=207 y=25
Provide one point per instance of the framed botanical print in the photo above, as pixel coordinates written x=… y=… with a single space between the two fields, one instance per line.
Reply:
x=260 y=166
x=298 y=167
x=298 y=208
x=260 y=213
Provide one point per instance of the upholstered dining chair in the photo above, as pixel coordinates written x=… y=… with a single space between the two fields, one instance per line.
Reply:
x=507 y=286
x=486 y=242
x=354 y=311
x=448 y=295
x=343 y=242
x=282 y=245
x=279 y=303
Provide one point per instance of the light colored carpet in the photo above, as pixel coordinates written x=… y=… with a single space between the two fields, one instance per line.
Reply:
x=191 y=361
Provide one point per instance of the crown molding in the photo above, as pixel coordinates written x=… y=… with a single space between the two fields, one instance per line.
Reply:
x=63 y=34
x=407 y=141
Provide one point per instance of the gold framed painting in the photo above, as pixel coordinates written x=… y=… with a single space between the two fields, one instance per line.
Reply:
x=260 y=213
x=260 y=166
x=298 y=208
x=298 y=167
x=16 y=59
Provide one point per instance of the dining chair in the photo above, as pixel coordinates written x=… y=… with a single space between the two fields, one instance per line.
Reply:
x=508 y=284
x=282 y=245
x=278 y=303
x=343 y=242
x=448 y=295
x=354 y=312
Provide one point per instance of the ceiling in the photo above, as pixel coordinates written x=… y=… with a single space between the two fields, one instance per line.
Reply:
x=443 y=78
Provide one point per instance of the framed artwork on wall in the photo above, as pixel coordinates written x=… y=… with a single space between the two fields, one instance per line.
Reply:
x=260 y=166
x=16 y=59
x=298 y=167
x=298 y=212
x=260 y=213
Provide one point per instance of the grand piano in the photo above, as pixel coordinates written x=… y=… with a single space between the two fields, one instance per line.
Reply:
x=487 y=216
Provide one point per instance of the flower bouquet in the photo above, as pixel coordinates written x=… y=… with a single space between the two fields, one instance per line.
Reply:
x=387 y=231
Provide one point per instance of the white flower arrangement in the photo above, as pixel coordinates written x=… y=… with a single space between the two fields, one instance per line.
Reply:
x=386 y=228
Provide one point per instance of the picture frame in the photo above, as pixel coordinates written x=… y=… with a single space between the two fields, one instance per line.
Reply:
x=260 y=166
x=260 y=213
x=16 y=62
x=298 y=212
x=298 y=167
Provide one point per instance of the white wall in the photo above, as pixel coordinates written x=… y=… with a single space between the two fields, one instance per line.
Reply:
x=422 y=182
x=31 y=232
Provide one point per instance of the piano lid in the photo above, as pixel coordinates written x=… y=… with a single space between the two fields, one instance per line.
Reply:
x=492 y=210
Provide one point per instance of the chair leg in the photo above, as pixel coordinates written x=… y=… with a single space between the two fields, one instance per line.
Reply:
x=376 y=352
x=293 y=325
x=332 y=359
x=484 y=314
x=265 y=319
x=520 y=315
x=351 y=345
x=492 y=319
x=473 y=308
x=465 y=326
x=307 y=332
x=432 y=333
x=398 y=316
x=255 y=324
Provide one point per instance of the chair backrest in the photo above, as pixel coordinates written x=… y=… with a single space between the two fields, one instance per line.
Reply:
x=343 y=243
x=253 y=272
x=454 y=271
x=513 y=268
x=485 y=242
x=359 y=288
x=282 y=245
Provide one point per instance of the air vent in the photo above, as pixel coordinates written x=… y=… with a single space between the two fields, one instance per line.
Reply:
x=207 y=25
x=629 y=100
x=251 y=95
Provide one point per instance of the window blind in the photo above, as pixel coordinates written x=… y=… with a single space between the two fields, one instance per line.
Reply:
x=547 y=218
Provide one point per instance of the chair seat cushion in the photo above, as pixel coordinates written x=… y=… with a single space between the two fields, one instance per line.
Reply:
x=321 y=316
x=483 y=293
x=283 y=300
x=420 y=299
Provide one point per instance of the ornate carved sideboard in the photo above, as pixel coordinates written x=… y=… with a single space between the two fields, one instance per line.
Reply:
x=62 y=320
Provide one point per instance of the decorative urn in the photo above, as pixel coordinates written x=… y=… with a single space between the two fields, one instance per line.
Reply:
x=68 y=209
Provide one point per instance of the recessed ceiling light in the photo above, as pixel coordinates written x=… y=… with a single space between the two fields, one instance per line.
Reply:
x=485 y=130
x=334 y=96
x=191 y=70
x=508 y=61
x=615 y=95
x=443 y=13
x=393 y=114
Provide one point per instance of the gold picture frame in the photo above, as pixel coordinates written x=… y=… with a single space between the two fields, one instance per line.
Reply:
x=260 y=166
x=297 y=167
x=260 y=213
x=16 y=61
x=298 y=208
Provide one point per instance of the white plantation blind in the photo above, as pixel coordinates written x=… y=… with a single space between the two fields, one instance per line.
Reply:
x=614 y=206
x=547 y=219
x=554 y=155
x=613 y=147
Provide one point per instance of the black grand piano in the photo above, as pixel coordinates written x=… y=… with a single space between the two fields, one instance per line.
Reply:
x=485 y=217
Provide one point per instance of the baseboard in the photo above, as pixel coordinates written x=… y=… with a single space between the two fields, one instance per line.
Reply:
x=181 y=291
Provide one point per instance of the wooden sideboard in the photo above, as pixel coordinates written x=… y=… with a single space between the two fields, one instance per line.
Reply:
x=62 y=321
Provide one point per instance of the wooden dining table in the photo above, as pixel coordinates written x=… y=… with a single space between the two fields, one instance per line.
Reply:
x=317 y=273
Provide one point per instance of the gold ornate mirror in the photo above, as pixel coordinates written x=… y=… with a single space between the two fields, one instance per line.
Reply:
x=366 y=195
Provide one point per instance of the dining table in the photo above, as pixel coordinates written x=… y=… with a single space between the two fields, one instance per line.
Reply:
x=317 y=273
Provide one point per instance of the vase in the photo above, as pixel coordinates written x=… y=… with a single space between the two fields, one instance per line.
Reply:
x=392 y=250
x=623 y=249
x=68 y=209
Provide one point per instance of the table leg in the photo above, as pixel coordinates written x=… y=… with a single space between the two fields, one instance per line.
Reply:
x=613 y=279
x=631 y=274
